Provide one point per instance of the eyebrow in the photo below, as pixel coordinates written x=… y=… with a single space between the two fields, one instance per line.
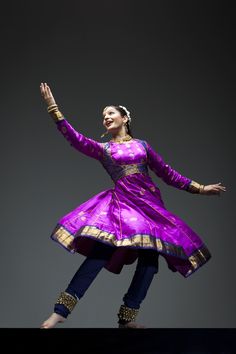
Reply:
x=112 y=109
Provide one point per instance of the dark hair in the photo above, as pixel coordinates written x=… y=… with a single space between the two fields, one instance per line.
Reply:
x=123 y=113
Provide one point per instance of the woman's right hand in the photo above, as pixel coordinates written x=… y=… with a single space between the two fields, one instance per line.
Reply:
x=47 y=94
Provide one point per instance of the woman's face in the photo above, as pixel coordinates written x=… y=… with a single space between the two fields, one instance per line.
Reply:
x=112 y=119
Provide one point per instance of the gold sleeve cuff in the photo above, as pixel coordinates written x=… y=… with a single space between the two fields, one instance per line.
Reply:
x=56 y=115
x=67 y=300
x=127 y=314
x=195 y=187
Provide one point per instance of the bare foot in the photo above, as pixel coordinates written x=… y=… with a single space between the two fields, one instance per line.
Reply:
x=52 y=321
x=131 y=325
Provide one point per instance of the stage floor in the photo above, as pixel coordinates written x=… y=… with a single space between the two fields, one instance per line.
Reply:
x=107 y=340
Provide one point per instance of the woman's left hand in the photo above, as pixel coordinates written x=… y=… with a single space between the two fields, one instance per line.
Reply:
x=212 y=189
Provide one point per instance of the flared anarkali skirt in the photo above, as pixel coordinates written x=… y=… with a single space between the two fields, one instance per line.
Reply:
x=128 y=217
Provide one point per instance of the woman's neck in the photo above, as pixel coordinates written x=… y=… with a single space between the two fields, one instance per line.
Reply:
x=120 y=135
x=121 y=138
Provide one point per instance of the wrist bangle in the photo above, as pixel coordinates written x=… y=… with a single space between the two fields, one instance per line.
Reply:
x=53 y=109
x=53 y=106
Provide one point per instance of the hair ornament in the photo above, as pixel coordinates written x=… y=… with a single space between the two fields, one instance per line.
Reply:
x=127 y=113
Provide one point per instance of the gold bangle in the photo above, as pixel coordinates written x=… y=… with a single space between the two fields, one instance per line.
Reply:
x=52 y=109
x=52 y=105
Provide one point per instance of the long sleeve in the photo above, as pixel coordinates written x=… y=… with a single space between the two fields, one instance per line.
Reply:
x=80 y=142
x=165 y=171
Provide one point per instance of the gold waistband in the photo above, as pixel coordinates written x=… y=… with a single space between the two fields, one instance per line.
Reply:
x=128 y=170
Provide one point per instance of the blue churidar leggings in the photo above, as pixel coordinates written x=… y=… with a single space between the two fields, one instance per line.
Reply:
x=147 y=266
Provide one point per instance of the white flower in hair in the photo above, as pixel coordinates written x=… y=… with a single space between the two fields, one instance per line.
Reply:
x=127 y=112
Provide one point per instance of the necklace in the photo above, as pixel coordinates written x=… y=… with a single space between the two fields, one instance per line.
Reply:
x=125 y=138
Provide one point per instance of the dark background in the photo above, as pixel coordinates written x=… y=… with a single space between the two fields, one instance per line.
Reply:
x=172 y=64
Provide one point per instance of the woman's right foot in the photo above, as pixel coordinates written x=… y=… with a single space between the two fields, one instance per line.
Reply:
x=131 y=325
x=52 y=321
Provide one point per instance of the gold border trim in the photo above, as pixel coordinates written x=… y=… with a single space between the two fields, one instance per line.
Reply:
x=197 y=259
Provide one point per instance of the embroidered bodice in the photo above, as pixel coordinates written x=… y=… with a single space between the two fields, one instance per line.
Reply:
x=124 y=158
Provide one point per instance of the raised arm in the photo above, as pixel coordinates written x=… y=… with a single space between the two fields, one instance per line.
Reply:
x=80 y=142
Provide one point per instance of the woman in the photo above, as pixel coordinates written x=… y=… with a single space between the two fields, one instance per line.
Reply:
x=129 y=222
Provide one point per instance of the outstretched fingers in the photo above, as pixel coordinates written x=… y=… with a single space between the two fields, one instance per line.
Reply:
x=220 y=188
x=45 y=90
x=46 y=93
x=42 y=89
x=215 y=188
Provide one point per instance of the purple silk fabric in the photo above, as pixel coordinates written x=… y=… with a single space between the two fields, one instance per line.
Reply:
x=131 y=215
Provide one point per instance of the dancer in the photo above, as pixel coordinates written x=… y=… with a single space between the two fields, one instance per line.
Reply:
x=128 y=222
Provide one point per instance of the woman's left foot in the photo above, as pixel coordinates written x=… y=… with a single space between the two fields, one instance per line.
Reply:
x=52 y=321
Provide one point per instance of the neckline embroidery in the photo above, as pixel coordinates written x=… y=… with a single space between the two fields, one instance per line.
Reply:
x=126 y=139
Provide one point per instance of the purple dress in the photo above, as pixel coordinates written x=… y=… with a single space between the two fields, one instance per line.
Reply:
x=132 y=215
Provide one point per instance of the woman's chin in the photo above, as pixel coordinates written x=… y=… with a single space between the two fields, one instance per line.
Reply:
x=111 y=130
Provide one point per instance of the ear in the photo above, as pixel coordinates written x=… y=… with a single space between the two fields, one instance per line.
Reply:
x=125 y=119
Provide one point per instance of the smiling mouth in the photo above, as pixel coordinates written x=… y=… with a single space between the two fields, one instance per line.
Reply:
x=108 y=124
